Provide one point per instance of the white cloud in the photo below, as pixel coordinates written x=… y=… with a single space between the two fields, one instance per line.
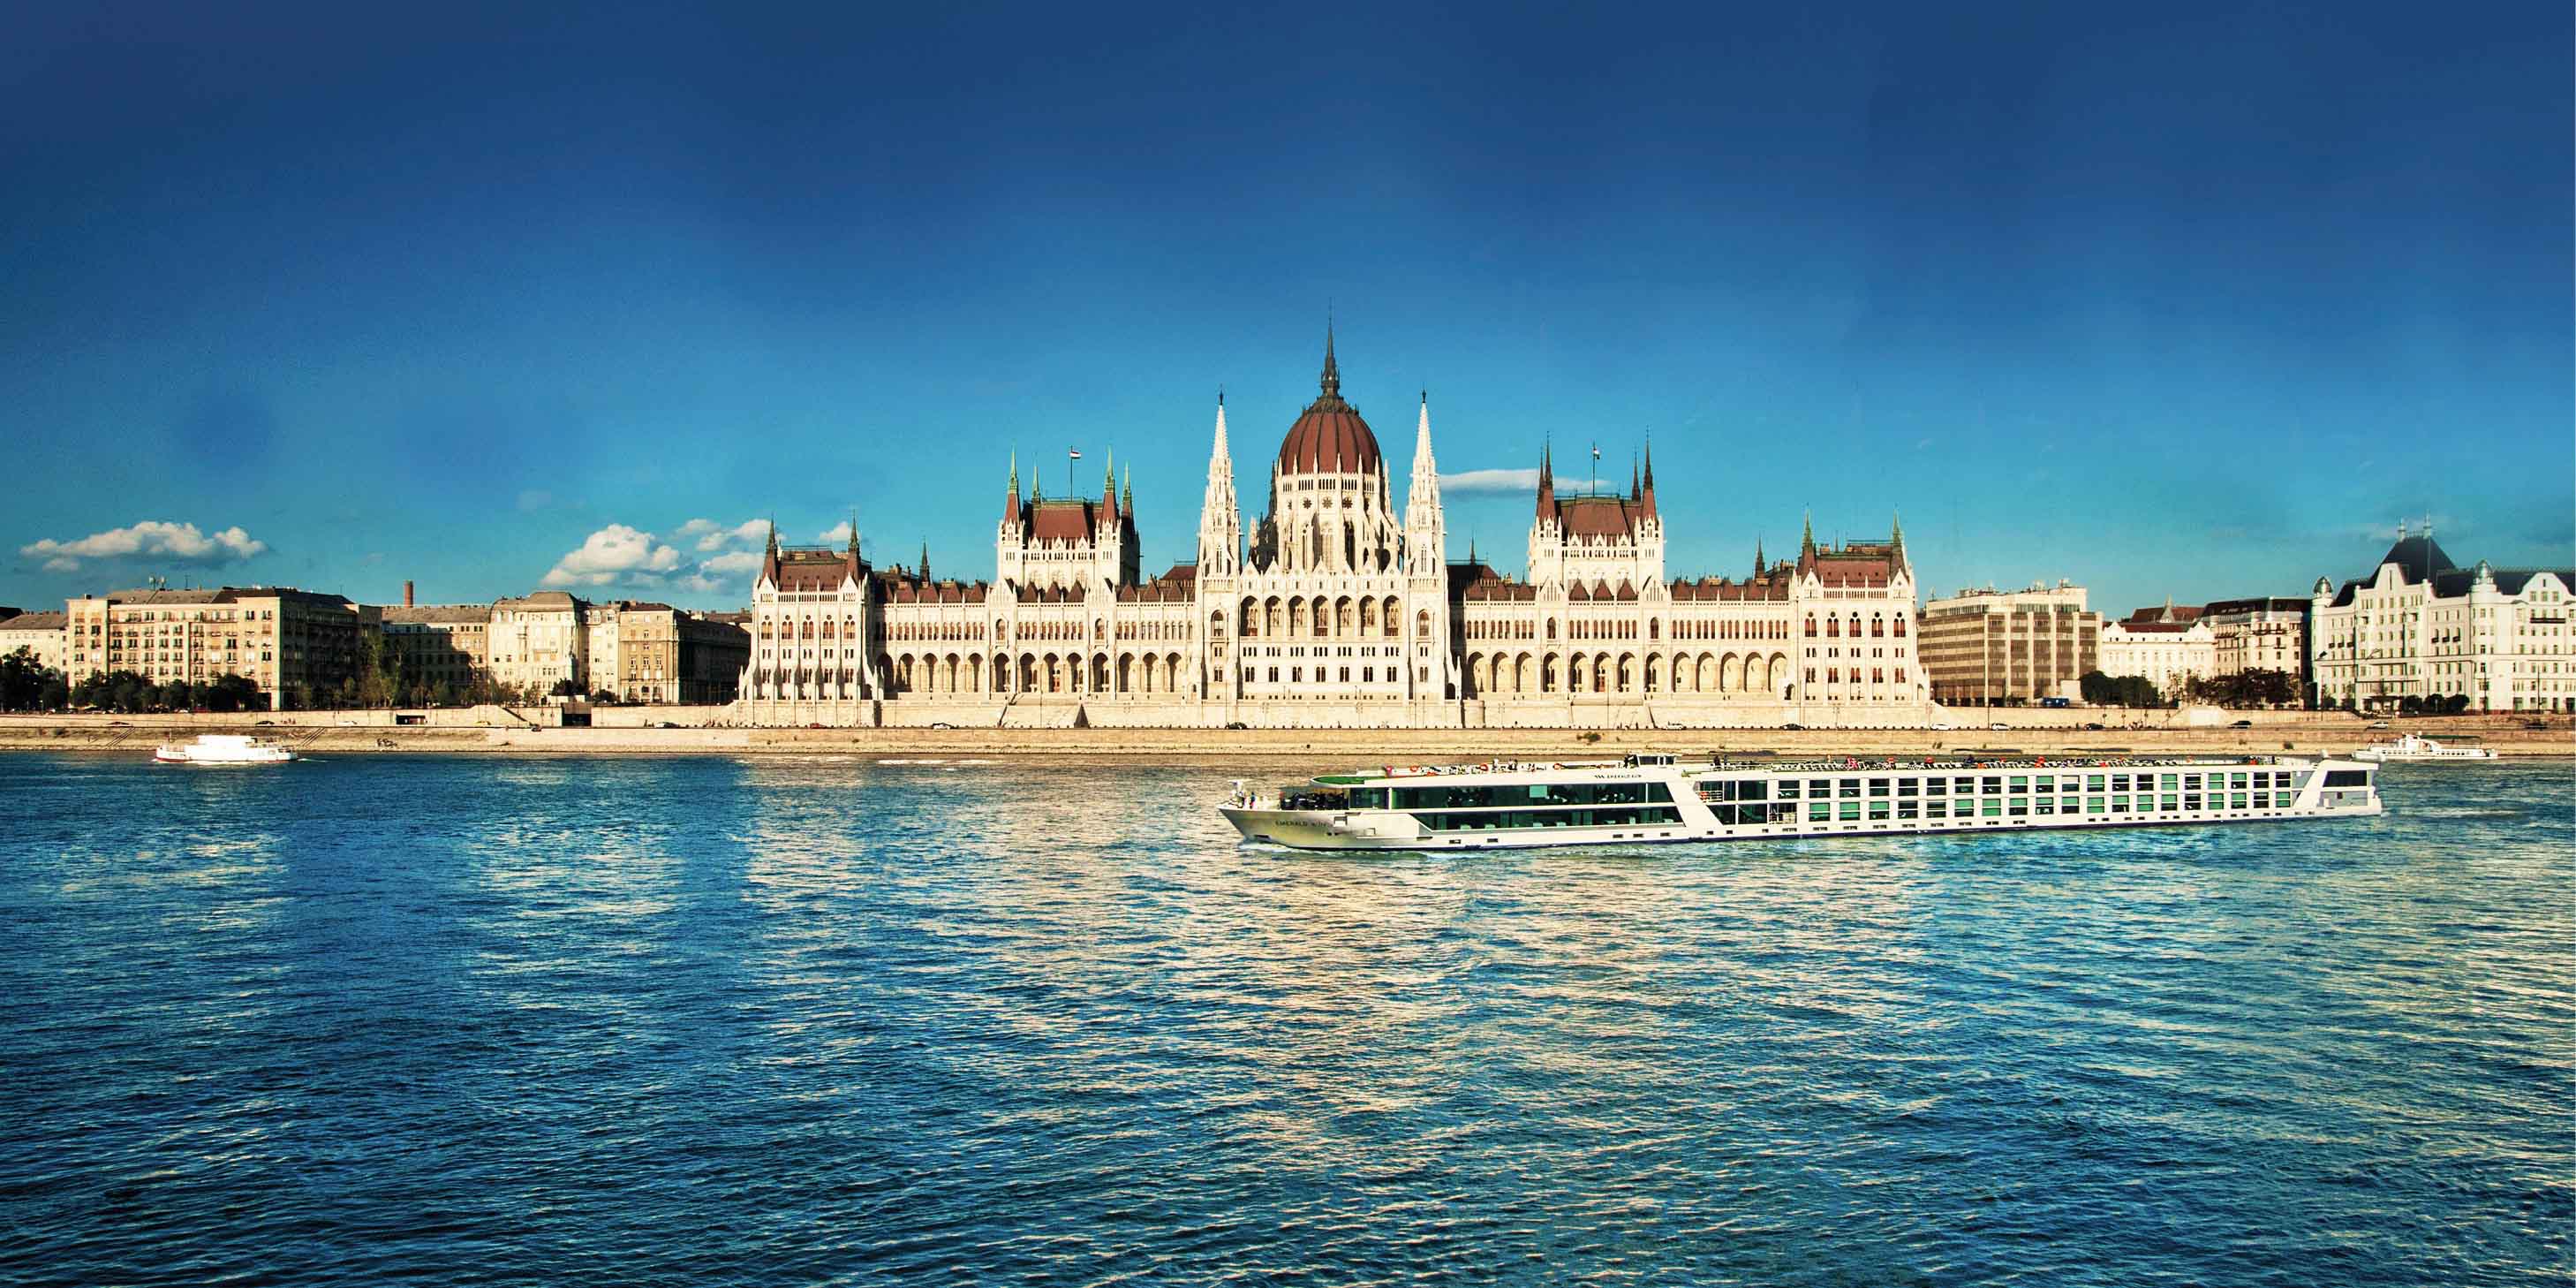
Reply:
x=180 y=541
x=711 y=535
x=706 y=585
x=613 y=554
x=837 y=533
x=731 y=561
x=1471 y=481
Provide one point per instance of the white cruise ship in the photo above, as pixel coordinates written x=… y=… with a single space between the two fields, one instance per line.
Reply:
x=1652 y=798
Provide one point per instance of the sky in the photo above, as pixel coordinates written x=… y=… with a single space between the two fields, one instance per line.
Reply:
x=2171 y=300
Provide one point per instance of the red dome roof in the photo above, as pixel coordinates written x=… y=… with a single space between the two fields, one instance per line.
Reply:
x=1330 y=437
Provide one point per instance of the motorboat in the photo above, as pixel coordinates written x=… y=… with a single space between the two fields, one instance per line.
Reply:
x=223 y=749
x=2417 y=747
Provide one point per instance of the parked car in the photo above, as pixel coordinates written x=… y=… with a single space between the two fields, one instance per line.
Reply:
x=1236 y=724
x=2378 y=724
x=1797 y=727
x=941 y=724
x=2242 y=724
x=2535 y=724
x=2095 y=726
x=1943 y=725
x=1998 y=726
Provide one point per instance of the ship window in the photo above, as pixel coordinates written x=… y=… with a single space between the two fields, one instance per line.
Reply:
x=2092 y=804
x=1819 y=811
x=1851 y=811
x=2021 y=787
x=2047 y=804
x=1788 y=789
x=2166 y=802
x=1851 y=787
x=2093 y=782
x=1878 y=811
x=2019 y=809
x=1936 y=786
x=1368 y=798
x=2347 y=778
x=1936 y=809
x=1963 y=786
x=1878 y=787
x=1992 y=806
x=2236 y=801
x=1907 y=809
x=1909 y=786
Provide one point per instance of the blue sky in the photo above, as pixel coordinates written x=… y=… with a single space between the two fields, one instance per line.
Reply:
x=2174 y=301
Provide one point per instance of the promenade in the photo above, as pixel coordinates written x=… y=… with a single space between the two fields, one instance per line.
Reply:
x=2302 y=733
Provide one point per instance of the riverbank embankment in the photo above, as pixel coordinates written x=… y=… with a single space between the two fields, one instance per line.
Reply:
x=2310 y=735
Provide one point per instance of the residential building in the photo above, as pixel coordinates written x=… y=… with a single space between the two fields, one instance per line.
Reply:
x=301 y=648
x=1986 y=647
x=2265 y=634
x=539 y=641
x=2421 y=627
x=441 y=645
x=41 y=634
x=667 y=654
x=1338 y=607
x=2167 y=646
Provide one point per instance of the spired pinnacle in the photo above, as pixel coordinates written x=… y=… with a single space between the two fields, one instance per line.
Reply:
x=1332 y=382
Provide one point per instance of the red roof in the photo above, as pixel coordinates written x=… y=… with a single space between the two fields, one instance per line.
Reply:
x=1329 y=439
x=1598 y=516
x=815 y=570
x=1069 y=522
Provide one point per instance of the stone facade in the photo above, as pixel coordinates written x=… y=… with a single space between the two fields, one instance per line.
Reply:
x=299 y=647
x=2167 y=646
x=2267 y=634
x=41 y=634
x=1338 y=607
x=2421 y=627
x=1987 y=646
x=441 y=644
x=538 y=641
x=671 y=655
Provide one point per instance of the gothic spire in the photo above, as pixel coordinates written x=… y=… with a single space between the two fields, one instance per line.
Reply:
x=1897 y=521
x=1546 y=481
x=925 y=559
x=854 y=532
x=1332 y=374
x=1011 y=500
x=1759 y=563
x=1807 y=539
x=1127 y=494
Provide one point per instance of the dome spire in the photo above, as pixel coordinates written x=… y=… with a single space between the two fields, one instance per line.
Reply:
x=1332 y=382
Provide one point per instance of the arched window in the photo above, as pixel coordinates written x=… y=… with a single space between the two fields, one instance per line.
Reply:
x=1811 y=628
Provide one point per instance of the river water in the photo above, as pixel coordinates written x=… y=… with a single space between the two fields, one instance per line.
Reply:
x=708 y=1020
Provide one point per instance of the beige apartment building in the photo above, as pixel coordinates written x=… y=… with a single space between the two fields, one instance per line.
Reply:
x=666 y=654
x=441 y=644
x=2266 y=634
x=41 y=634
x=539 y=641
x=2020 y=646
x=300 y=648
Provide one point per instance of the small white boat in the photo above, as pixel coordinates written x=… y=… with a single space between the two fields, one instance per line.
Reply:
x=222 y=749
x=2417 y=747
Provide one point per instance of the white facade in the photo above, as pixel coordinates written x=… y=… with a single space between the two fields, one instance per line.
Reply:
x=41 y=634
x=539 y=641
x=1338 y=607
x=2420 y=627
x=2168 y=648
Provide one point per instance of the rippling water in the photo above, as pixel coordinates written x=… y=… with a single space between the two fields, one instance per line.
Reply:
x=620 y=1021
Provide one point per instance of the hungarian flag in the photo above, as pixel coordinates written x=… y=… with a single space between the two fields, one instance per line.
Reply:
x=1073 y=454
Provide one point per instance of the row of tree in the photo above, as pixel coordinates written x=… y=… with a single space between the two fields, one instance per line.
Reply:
x=2244 y=690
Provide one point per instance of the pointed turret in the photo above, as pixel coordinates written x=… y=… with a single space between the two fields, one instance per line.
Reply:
x=769 y=558
x=1426 y=532
x=1546 y=482
x=1807 y=538
x=1332 y=382
x=1759 y=563
x=925 y=559
x=1646 y=495
x=1127 y=496
x=1011 y=499
x=1896 y=525
x=854 y=535
x=1220 y=520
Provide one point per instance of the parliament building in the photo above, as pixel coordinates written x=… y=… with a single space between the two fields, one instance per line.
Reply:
x=1338 y=608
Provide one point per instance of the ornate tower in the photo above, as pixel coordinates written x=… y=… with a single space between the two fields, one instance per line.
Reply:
x=1432 y=669
x=1220 y=518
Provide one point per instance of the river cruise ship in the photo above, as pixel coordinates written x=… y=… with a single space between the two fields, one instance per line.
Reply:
x=1652 y=798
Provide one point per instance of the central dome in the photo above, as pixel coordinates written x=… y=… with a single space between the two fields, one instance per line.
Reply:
x=1330 y=438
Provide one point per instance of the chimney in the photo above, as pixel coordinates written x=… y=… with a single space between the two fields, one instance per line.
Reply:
x=406 y=592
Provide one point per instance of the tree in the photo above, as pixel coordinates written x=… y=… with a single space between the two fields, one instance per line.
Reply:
x=2119 y=690
x=565 y=688
x=25 y=683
